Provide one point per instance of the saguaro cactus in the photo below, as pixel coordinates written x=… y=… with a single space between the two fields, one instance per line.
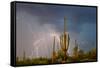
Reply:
x=64 y=40
x=53 y=53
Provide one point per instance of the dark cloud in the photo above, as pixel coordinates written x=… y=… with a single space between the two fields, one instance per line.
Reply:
x=37 y=21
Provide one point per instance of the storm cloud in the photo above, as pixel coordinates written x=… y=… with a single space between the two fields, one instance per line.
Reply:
x=35 y=23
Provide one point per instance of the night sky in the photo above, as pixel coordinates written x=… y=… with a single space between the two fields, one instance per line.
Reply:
x=35 y=23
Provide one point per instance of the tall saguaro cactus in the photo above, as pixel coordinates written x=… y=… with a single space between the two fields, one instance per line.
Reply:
x=53 y=54
x=64 y=40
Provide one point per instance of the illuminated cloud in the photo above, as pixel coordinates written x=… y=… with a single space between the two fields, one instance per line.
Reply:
x=35 y=24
